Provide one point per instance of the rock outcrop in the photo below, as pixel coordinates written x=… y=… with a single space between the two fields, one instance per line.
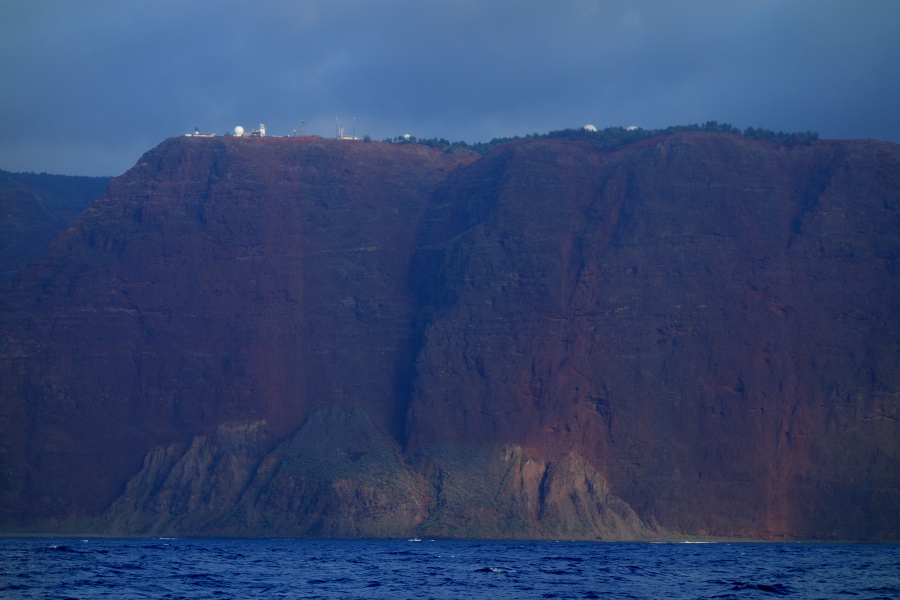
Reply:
x=505 y=492
x=338 y=476
x=696 y=333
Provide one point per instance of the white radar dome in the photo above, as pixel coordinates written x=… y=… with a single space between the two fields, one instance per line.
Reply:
x=589 y=128
x=238 y=130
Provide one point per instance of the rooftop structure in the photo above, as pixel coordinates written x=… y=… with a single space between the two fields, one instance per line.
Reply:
x=261 y=132
x=198 y=134
x=340 y=131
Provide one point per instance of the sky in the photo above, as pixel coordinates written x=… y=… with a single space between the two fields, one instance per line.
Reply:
x=88 y=86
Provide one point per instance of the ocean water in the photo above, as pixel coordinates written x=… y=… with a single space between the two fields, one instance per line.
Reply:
x=239 y=569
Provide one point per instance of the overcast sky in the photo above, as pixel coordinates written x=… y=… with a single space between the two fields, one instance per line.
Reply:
x=88 y=86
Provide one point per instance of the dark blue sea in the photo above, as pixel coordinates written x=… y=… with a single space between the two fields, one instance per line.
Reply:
x=419 y=570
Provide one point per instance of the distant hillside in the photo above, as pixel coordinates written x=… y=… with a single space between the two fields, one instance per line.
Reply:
x=34 y=208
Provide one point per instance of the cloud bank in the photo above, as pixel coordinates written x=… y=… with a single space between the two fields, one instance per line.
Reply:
x=91 y=86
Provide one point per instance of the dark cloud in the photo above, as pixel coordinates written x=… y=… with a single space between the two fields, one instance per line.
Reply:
x=90 y=86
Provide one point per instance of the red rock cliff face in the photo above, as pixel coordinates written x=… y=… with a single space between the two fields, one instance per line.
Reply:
x=218 y=280
x=696 y=333
x=712 y=320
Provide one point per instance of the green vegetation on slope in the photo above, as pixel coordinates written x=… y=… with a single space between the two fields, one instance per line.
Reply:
x=615 y=137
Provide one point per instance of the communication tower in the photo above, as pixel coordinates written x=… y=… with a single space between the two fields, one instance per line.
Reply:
x=340 y=130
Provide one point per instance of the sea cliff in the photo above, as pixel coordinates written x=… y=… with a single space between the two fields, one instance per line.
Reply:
x=695 y=333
